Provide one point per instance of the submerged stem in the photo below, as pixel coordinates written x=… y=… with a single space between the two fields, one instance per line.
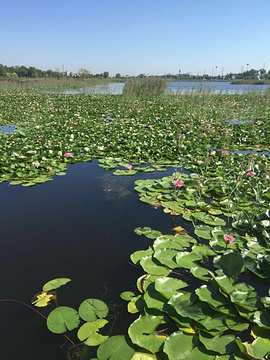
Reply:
x=36 y=311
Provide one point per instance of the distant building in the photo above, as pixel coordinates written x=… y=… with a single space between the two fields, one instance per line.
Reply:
x=257 y=75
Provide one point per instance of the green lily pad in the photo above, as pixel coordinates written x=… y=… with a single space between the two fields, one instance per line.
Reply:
x=55 y=284
x=88 y=332
x=116 y=348
x=221 y=344
x=61 y=319
x=179 y=345
x=143 y=333
x=92 y=309
x=169 y=286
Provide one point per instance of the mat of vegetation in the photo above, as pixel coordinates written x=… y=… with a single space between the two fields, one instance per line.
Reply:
x=203 y=295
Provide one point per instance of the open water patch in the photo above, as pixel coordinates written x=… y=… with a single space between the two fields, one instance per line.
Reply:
x=6 y=129
x=237 y=121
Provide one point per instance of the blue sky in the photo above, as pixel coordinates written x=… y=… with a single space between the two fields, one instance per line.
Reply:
x=133 y=37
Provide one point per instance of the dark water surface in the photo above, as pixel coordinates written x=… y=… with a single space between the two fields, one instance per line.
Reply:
x=78 y=226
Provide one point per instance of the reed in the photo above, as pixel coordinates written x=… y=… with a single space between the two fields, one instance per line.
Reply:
x=144 y=88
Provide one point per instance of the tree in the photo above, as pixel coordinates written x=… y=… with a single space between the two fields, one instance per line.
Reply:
x=84 y=73
x=106 y=74
x=32 y=72
x=118 y=76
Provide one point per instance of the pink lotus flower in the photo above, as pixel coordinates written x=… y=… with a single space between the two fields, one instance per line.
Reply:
x=224 y=152
x=228 y=239
x=177 y=183
x=36 y=164
x=67 y=155
x=218 y=136
x=59 y=124
x=12 y=166
x=128 y=166
x=49 y=143
x=251 y=173
x=49 y=168
x=150 y=127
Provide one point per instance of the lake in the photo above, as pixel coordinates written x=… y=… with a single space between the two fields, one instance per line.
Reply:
x=173 y=87
x=79 y=226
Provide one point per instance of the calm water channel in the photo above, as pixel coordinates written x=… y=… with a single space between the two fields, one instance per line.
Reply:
x=174 y=87
x=78 y=226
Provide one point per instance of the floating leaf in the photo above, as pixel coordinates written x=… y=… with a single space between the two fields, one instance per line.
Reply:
x=185 y=305
x=140 y=355
x=55 y=284
x=138 y=255
x=259 y=348
x=116 y=348
x=169 y=286
x=88 y=332
x=143 y=333
x=166 y=257
x=153 y=267
x=178 y=345
x=42 y=299
x=231 y=264
x=92 y=309
x=203 y=231
x=221 y=344
x=61 y=319
x=127 y=295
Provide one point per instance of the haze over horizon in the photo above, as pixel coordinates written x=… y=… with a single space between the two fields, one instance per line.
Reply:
x=130 y=38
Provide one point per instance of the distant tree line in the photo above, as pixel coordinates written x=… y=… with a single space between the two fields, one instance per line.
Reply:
x=32 y=72
x=245 y=75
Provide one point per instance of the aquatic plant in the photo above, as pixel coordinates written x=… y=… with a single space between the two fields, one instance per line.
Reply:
x=144 y=88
